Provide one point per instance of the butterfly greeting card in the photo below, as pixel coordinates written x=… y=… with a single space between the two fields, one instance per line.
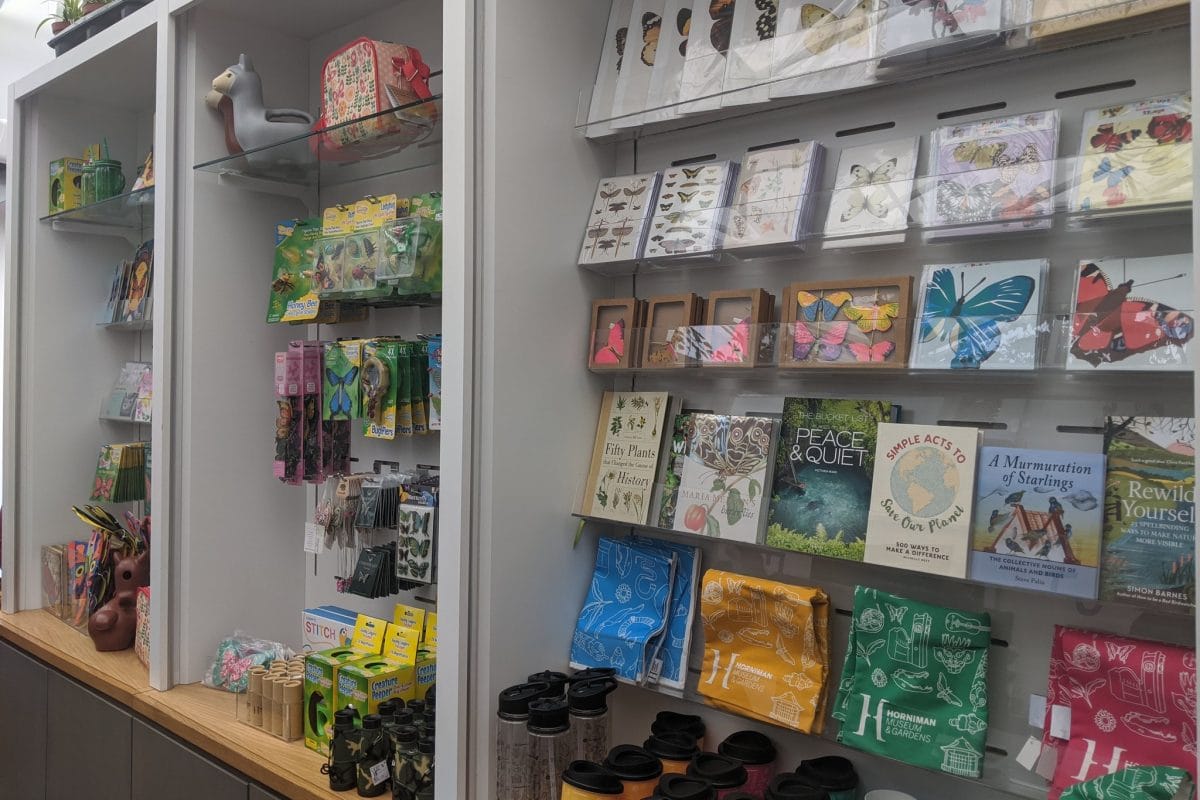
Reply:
x=772 y=203
x=1125 y=316
x=617 y=221
x=751 y=50
x=612 y=58
x=998 y=171
x=915 y=29
x=1136 y=154
x=846 y=323
x=979 y=316
x=824 y=45
x=871 y=193
x=670 y=54
x=616 y=325
x=710 y=31
x=737 y=330
x=689 y=209
x=637 y=65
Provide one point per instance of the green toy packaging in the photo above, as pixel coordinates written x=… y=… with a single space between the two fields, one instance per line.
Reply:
x=381 y=384
x=320 y=694
x=293 y=295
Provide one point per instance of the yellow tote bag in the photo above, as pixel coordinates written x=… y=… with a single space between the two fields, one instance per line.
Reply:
x=766 y=649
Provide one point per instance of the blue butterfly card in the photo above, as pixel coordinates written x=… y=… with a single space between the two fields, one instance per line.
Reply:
x=625 y=614
x=979 y=316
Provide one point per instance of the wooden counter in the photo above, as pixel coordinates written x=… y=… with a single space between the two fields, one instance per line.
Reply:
x=198 y=715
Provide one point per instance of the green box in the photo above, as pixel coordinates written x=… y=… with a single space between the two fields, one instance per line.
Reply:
x=66 y=184
x=369 y=681
x=320 y=694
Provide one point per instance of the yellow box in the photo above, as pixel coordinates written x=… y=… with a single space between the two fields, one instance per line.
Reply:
x=66 y=184
x=426 y=672
x=367 y=682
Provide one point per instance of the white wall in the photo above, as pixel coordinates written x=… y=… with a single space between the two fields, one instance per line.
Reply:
x=20 y=52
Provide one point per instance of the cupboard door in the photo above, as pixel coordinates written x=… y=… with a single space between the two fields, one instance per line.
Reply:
x=22 y=724
x=88 y=743
x=164 y=767
x=259 y=793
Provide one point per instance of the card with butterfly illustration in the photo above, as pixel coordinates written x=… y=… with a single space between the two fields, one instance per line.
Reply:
x=773 y=199
x=612 y=57
x=997 y=172
x=980 y=316
x=846 y=323
x=913 y=30
x=689 y=209
x=824 y=45
x=671 y=334
x=710 y=31
x=637 y=62
x=1126 y=316
x=616 y=325
x=1135 y=155
x=619 y=218
x=872 y=192
x=737 y=330
x=669 y=57
x=751 y=53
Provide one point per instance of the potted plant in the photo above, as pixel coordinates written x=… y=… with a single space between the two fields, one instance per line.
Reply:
x=69 y=11
x=93 y=5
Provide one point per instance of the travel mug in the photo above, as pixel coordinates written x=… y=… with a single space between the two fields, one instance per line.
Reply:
x=834 y=774
x=591 y=724
x=672 y=722
x=638 y=770
x=674 y=750
x=790 y=786
x=757 y=754
x=684 y=787
x=549 y=747
x=586 y=780
x=512 y=738
x=727 y=775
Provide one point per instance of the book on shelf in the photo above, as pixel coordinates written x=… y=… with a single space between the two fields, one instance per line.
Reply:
x=1150 y=513
x=821 y=492
x=723 y=478
x=629 y=438
x=122 y=400
x=1037 y=520
x=921 y=498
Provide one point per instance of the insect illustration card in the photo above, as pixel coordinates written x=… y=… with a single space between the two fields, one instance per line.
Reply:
x=979 y=316
x=824 y=45
x=872 y=191
x=846 y=323
x=637 y=66
x=617 y=222
x=689 y=209
x=772 y=202
x=915 y=29
x=668 y=61
x=751 y=52
x=996 y=171
x=1135 y=154
x=612 y=58
x=709 y=34
x=1124 y=315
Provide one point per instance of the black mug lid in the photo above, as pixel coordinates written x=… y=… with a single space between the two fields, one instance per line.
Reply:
x=632 y=763
x=592 y=777
x=830 y=772
x=591 y=695
x=673 y=722
x=557 y=681
x=722 y=771
x=790 y=786
x=548 y=714
x=748 y=747
x=685 y=787
x=515 y=700
x=678 y=746
x=590 y=674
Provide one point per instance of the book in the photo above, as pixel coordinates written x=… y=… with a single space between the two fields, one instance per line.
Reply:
x=1150 y=512
x=690 y=208
x=644 y=30
x=821 y=492
x=722 y=485
x=139 y=296
x=872 y=192
x=921 y=494
x=996 y=171
x=671 y=472
x=912 y=32
x=617 y=222
x=629 y=434
x=1038 y=520
x=1123 y=318
x=122 y=400
x=979 y=316
x=1135 y=154
x=773 y=201
x=823 y=45
x=143 y=406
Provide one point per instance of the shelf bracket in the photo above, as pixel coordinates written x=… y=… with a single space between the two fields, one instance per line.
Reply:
x=130 y=234
x=305 y=194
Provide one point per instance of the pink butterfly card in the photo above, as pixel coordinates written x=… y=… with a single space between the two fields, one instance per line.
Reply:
x=616 y=326
x=618 y=219
x=737 y=328
x=996 y=172
x=847 y=323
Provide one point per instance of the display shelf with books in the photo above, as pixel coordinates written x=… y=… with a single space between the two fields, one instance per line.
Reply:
x=795 y=53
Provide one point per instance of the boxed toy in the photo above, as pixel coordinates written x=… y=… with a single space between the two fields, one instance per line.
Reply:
x=66 y=184
x=327 y=627
x=321 y=674
x=366 y=683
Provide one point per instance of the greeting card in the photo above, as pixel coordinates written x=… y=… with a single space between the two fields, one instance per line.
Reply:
x=689 y=209
x=612 y=57
x=637 y=64
x=872 y=192
x=772 y=203
x=751 y=51
x=846 y=323
x=617 y=222
x=669 y=58
x=710 y=31
x=824 y=45
x=917 y=29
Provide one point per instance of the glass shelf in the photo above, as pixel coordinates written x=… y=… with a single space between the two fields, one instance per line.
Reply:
x=123 y=420
x=782 y=71
x=305 y=162
x=132 y=211
x=135 y=325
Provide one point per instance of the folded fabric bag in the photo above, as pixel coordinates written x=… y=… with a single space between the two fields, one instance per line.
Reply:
x=1136 y=783
x=914 y=685
x=624 y=615
x=1130 y=702
x=766 y=649
x=677 y=638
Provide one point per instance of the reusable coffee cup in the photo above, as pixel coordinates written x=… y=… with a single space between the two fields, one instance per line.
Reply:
x=790 y=786
x=757 y=754
x=887 y=794
x=674 y=750
x=684 y=787
x=638 y=769
x=834 y=774
x=672 y=722
x=109 y=180
x=727 y=775
x=585 y=780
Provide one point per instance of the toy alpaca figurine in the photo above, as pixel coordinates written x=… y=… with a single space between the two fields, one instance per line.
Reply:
x=237 y=95
x=113 y=625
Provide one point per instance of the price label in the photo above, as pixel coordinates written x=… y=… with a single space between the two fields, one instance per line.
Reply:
x=314 y=538
x=379 y=773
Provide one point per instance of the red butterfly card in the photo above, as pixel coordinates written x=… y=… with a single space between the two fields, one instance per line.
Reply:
x=615 y=326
